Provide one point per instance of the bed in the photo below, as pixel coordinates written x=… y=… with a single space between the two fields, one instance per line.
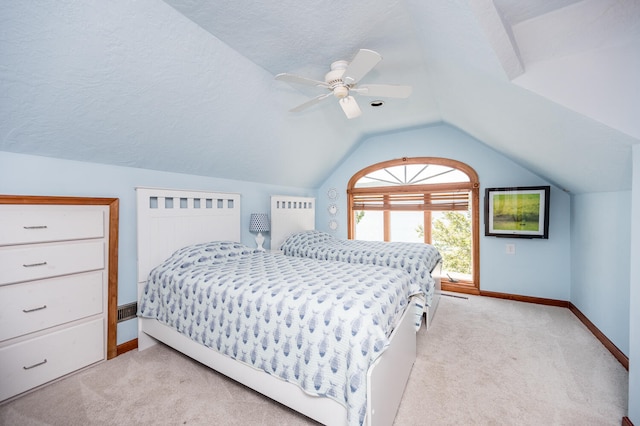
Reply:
x=293 y=232
x=187 y=237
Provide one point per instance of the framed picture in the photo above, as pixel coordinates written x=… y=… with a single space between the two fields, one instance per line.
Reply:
x=518 y=212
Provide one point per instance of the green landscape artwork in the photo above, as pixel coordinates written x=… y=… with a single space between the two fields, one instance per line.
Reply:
x=516 y=212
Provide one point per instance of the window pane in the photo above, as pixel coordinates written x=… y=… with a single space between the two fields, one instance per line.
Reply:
x=411 y=174
x=451 y=232
x=407 y=227
x=369 y=225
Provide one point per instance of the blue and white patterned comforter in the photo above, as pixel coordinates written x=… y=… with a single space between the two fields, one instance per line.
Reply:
x=417 y=259
x=317 y=324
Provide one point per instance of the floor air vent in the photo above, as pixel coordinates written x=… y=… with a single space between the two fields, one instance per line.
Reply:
x=127 y=312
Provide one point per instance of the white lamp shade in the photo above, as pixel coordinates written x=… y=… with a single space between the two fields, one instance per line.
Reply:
x=259 y=222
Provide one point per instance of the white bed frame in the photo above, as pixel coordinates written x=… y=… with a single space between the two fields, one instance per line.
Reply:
x=171 y=219
x=291 y=214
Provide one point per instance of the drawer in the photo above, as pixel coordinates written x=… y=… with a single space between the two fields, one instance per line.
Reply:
x=37 y=224
x=38 y=305
x=34 y=362
x=32 y=262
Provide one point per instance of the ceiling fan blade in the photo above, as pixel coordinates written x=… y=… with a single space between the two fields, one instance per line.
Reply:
x=384 y=90
x=310 y=102
x=350 y=107
x=364 y=62
x=292 y=78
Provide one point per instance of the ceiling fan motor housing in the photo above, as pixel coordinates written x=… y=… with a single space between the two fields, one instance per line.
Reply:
x=334 y=79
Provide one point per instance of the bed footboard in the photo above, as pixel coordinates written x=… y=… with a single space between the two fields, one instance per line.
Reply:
x=430 y=311
x=324 y=410
x=388 y=375
x=386 y=378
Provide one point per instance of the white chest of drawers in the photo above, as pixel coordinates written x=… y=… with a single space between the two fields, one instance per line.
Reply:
x=53 y=292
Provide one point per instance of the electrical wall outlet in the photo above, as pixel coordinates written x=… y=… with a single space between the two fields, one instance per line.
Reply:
x=510 y=249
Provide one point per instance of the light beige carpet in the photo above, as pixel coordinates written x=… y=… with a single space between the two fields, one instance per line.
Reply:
x=484 y=362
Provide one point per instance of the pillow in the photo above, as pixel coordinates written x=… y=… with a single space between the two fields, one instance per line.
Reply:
x=303 y=238
x=211 y=252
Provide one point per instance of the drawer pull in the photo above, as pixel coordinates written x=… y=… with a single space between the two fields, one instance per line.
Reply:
x=26 y=311
x=36 y=227
x=31 y=265
x=35 y=365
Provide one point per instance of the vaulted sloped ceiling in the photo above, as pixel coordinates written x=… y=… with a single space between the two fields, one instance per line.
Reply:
x=187 y=85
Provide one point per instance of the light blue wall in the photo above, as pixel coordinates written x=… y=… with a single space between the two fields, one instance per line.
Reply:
x=33 y=175
x=600 y=261
x=634 y=295
x=540 y=268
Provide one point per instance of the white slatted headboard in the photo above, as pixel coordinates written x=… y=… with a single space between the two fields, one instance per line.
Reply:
x=290 y=214
x=170 y=219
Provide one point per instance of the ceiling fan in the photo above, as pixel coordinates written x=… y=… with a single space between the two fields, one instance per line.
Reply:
x=343 y=80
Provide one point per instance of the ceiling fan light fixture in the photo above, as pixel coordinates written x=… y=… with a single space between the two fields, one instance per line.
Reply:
x=341 y=92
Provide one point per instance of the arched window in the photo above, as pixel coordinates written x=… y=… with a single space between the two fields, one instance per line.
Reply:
x=424 y=199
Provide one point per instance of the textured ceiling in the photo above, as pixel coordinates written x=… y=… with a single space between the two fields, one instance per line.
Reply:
x=187 y=85
x=515 y=12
